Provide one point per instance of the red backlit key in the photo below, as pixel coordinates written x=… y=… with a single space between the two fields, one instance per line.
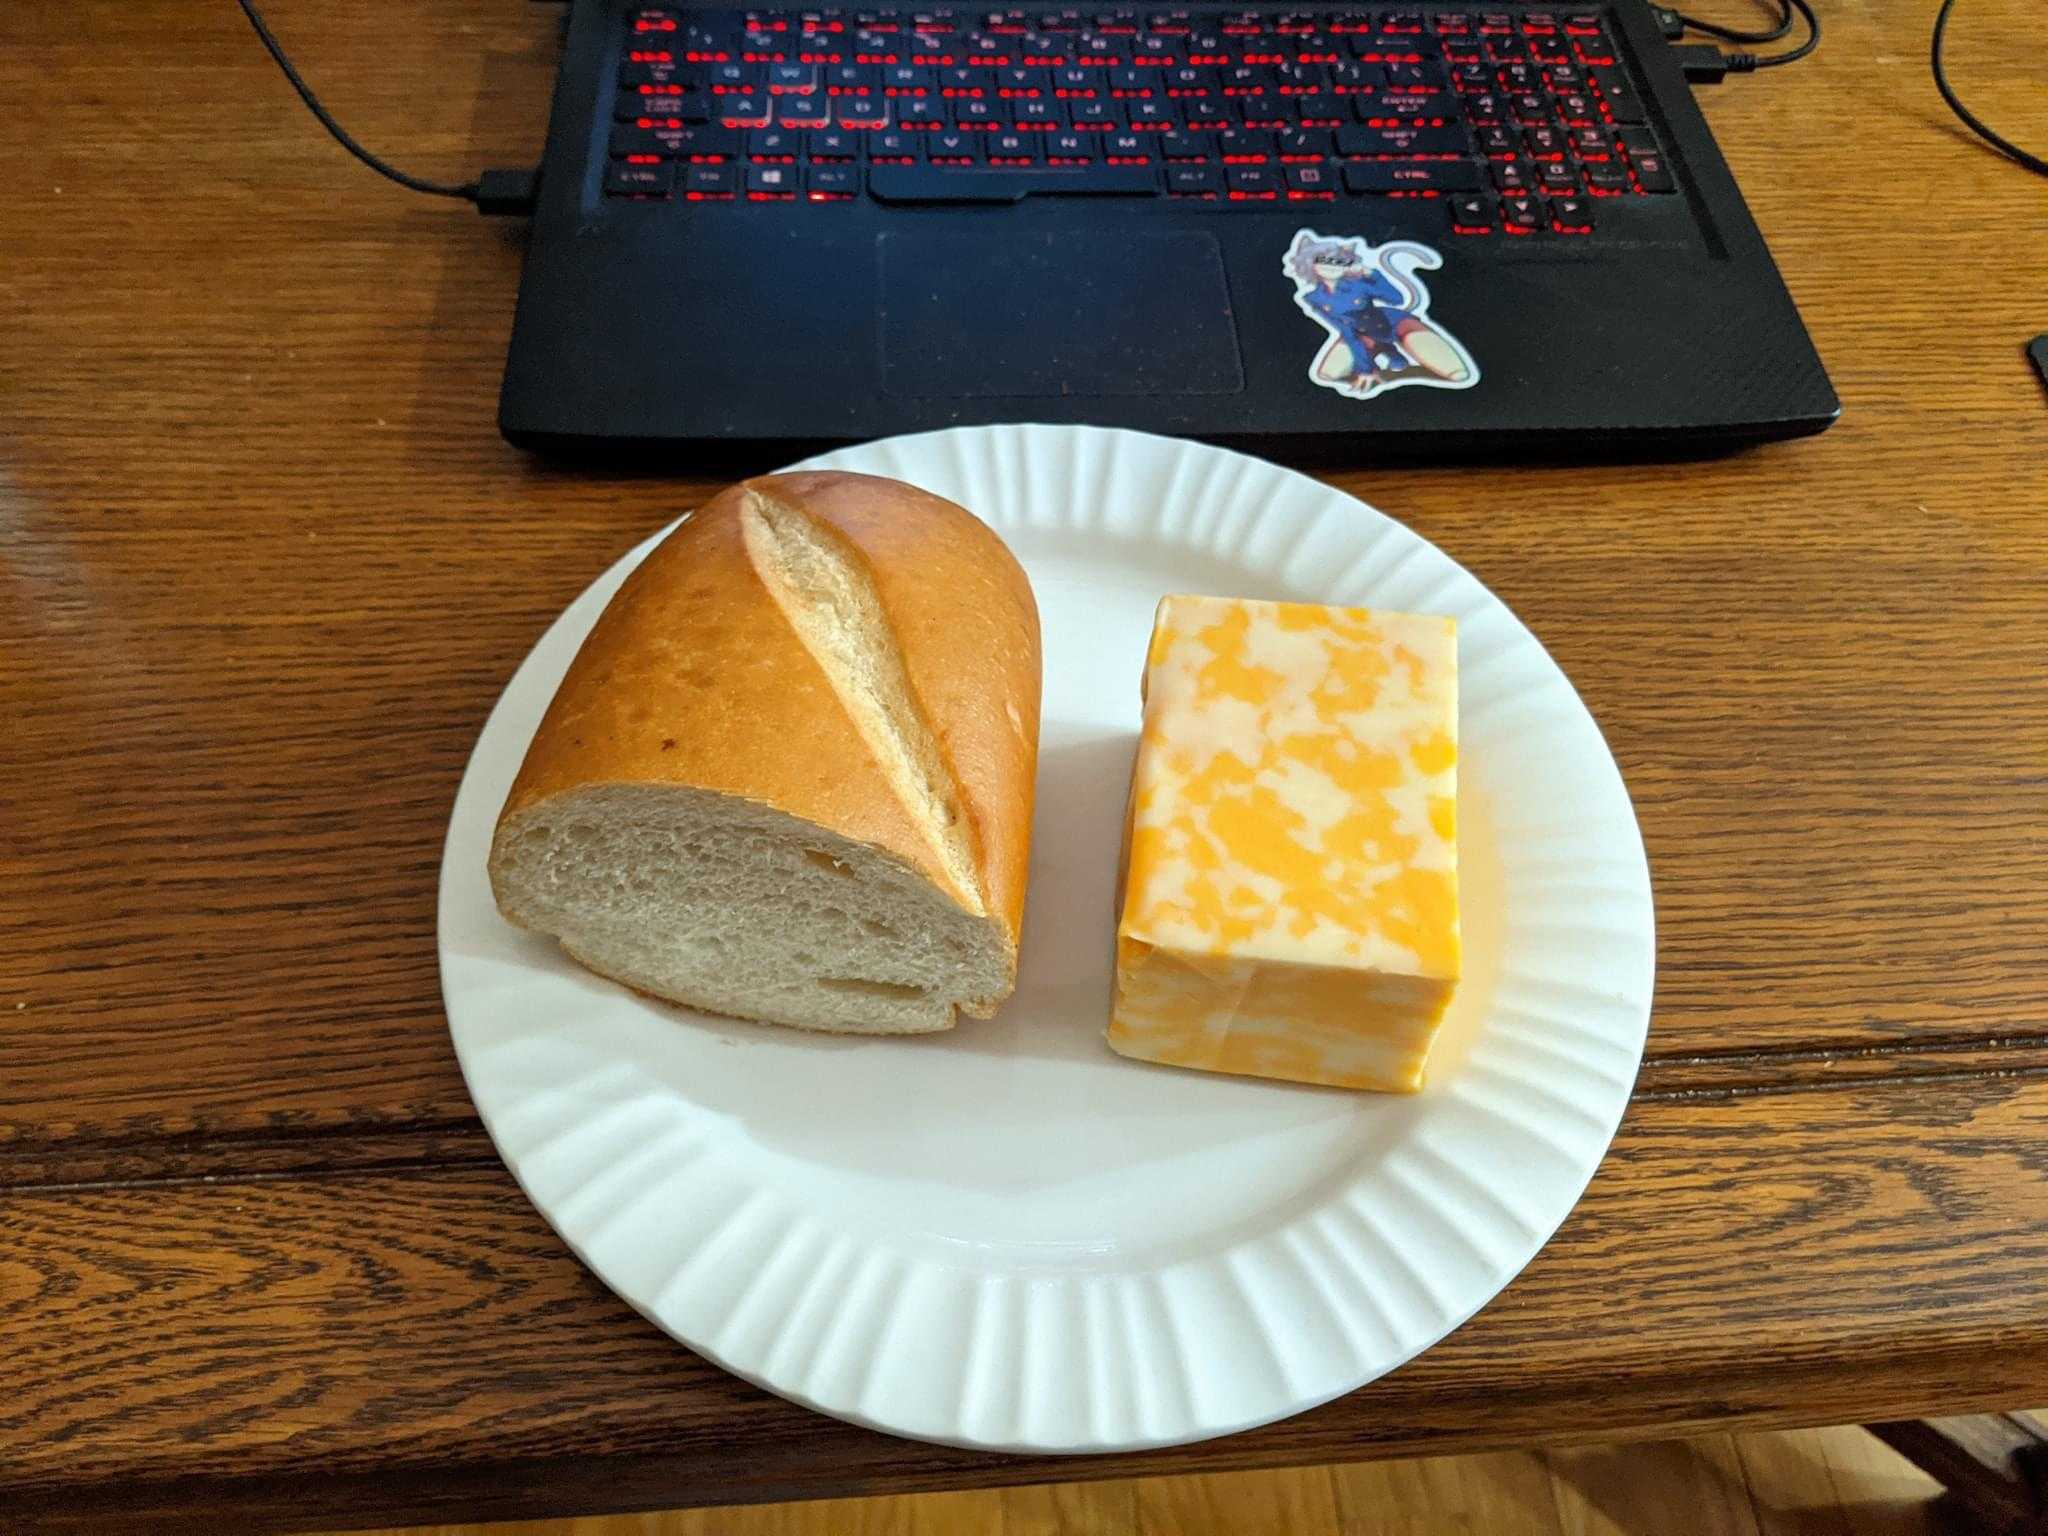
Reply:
x=715 y=182
x=1415 y=77
x=896 y=148
x=1499 y=143
x=630 y=139
x=1434 y=109
x=860 y=111
x=1653 y=172
x=1127 y=148
x=1319 y=180
x=1035 y=114
x=1571 y=215
x=835 y=144
x=1252 y=182
x=1510 y=176
x=1578 y=109
x=1012 y=149
x=832 y=183
x=1308 y=144
x=1545 y=143
x=772 y=180
x=1621 y=98
x=746 y=111
x=1071 y=148
x=1521 y=215
x=1244 y=146
x=1185 y=146
x=1484 y=110
x=658 y=72
x=1402 y=141
x=954 y=148
x=1473 y=214
x=1591 y=144
x=1606 y=179
x=687 y=106
x=774 y=144
x=625 y=180
x=1556 y=176
x=1320 y=111
x=969 y=114
x=1377 y=178
x=1193 y=181
x=800 y=111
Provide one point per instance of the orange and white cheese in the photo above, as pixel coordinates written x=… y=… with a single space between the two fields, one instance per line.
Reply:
x=1290 y=903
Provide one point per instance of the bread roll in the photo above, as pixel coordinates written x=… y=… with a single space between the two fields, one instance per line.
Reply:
x=789 y=775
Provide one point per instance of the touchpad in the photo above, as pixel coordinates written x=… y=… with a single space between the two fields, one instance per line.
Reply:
x=1015 y=313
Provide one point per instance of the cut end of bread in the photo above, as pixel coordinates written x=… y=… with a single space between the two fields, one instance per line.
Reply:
x=829 y=598
x=722 y=904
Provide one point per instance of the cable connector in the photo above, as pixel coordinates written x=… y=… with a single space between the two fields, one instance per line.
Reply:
x=507 y=194
x=1669 y=22
x=1704 y=64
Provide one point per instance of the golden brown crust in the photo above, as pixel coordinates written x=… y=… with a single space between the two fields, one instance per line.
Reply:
x=692 y=676
x=964 y=615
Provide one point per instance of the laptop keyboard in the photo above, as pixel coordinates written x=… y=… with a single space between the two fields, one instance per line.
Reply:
x=1523 y=122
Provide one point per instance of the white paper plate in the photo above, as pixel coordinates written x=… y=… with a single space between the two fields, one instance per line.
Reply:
x=1007 y=1236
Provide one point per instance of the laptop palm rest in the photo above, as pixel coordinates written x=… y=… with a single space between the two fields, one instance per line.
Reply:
x=1014 y=313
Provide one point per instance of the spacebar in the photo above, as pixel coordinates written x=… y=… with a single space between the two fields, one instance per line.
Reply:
x=1001 y=184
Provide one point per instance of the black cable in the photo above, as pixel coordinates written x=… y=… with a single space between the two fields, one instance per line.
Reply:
x=467 y=190
x=2003 y=145
x=1747 y=61
x=1729 y=34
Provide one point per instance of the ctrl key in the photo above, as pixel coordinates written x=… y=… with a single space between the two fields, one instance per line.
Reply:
x=832 y=183
x=624 y=179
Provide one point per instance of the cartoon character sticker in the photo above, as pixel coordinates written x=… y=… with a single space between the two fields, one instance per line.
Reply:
x=1376 y=312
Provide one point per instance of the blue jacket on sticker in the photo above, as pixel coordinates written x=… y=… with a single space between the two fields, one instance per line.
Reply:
x=1376 y=312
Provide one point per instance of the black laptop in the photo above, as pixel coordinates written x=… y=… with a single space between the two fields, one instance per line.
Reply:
x=1367 y=231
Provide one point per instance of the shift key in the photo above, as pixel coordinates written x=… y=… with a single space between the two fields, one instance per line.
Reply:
x=1379 y=177
x=1401 y=143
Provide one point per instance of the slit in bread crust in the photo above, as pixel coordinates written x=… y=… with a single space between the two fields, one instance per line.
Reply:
x=829 y=598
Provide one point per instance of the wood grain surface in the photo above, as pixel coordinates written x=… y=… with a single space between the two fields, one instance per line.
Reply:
x=1772 y=1482
x=264 y=566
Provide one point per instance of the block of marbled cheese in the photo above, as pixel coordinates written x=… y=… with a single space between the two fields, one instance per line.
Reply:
x=1290 y=900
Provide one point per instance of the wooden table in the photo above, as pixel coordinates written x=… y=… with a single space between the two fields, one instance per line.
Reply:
x=266 y=565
